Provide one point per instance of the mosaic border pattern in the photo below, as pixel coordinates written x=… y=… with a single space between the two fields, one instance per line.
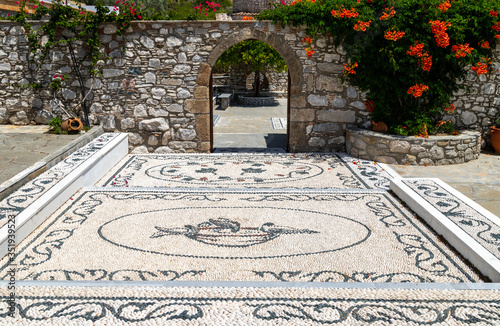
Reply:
x=262 y=306
x=413 y=244
x=26 y=195
x=365 y=174
x=478 y=226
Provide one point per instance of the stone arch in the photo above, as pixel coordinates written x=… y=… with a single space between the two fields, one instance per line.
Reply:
x=277 y=41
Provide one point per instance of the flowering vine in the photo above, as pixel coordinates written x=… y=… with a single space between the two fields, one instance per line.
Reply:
x=394 y=35
x=205 y=8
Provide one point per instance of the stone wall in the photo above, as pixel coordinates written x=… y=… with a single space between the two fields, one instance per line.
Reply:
x=157 y=89
x=435 y=150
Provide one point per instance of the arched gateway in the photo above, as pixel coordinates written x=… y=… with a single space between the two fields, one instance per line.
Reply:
x=295 y=77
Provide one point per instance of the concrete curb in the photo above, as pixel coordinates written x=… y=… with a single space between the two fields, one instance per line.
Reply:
x=20 y=179
x=86 y=174
x=470 y=248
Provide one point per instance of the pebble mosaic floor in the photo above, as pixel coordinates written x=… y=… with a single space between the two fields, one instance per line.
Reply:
x=252 y=235
x=251 y=306
x=282 y=171
x=311 y=218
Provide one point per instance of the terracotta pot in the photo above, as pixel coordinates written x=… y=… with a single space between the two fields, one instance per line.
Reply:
x=495 y=138
x=72 y=124
x=379 y=127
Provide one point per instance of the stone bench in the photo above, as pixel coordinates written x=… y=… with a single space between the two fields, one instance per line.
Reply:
x=225 y=99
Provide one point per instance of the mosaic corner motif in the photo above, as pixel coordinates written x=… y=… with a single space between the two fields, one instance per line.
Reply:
x=368 y=172
x=478 y=226
x=23 y=197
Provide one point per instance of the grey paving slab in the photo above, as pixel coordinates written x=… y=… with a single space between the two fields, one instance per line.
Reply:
x=22 y=146
x=28 y=151
x=250 y=127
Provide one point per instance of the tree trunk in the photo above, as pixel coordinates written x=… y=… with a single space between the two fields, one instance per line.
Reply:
x=257 y=84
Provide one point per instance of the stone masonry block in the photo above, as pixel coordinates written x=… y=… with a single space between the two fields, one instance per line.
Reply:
x=302 y=114
x=197 y=106
x=201 y=92
x=203 y=126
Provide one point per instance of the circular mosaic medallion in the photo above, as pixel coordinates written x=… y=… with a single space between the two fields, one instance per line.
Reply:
x=234 y=232
x=246 y=172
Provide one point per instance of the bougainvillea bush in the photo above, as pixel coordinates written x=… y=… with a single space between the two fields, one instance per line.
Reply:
x=407 y=55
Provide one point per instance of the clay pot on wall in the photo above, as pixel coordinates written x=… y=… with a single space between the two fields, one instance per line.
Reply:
x=495 y=138
x=379 y=127
x=72 y=124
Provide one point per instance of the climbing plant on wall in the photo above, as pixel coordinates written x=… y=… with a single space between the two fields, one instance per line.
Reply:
x=257 y=55
x=409 y=56
x=75 y=31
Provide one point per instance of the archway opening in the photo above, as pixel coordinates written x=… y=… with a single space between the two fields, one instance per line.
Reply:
x=250 y=99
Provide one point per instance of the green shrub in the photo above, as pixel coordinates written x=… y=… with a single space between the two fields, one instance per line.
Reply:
x=408 y=55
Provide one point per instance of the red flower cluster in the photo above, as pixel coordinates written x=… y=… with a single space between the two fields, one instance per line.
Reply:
x=207 y=6
x=496 y=27
x=451 y=108
x=247 y=18
x=494 y=13
x=417 y=90
x=388 y=14
x=416 y=50
x=425 y=59
x=349 y=68
x=461 y=51
x=444 y=6
x=309 y=49
x=345 y=13
x=480 y=68
x=362 y=26
x=393 y=35
x=439 y=30
x=485 y=44
x=426 y=62
x=60 y=77
x=369 y=105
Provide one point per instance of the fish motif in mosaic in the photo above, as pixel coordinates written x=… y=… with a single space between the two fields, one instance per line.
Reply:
x=223 y=232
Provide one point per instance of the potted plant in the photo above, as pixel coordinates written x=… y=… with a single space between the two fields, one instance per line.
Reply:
x=495 y=135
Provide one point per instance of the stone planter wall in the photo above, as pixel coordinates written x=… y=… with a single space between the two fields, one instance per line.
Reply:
x=435 y=150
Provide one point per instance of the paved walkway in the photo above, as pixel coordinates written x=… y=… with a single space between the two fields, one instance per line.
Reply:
x=249 y=127
x=479 y=180
x=23 y=146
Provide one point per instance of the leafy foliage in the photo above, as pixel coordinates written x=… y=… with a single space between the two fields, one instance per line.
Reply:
x=257 y=55
x=410 y=55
